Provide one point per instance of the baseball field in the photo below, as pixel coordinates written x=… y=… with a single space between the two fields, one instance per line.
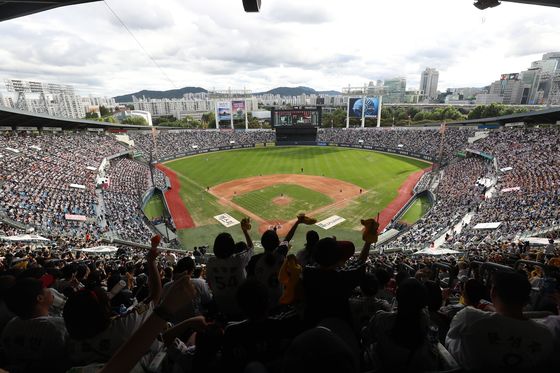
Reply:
x=272 y=185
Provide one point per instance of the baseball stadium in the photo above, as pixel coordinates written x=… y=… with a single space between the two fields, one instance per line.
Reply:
x=319 y=232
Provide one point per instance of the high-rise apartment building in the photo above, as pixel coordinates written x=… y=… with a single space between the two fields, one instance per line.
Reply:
x=429 y=82
x=394 y=90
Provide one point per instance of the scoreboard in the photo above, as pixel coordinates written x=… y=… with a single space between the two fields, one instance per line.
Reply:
x=297 y=116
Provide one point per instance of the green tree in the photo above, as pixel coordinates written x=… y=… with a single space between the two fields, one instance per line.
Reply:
x=209 y=119
x=492 y=110
x=104 y=111
x=135 y=120
x=92 y=115
x=476 y=113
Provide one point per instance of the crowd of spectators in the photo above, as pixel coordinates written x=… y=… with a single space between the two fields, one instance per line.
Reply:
x=37 y=173
x=527 y=197
x=458 y=192
x=315 y=307
x=128 y=181
x=426 y=141
x=175 y=142
x=324 y=309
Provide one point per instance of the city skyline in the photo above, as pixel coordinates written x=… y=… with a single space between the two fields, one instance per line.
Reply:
x=320 y=44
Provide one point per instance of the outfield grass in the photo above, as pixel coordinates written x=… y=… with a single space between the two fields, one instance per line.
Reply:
x=261 y=201
x=419 y=207
x=154 y=207
x=380 y=175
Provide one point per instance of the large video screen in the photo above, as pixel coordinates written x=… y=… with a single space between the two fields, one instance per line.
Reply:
x=224 y=111
x=238 y=109
x=296 y=117
x=356 y=107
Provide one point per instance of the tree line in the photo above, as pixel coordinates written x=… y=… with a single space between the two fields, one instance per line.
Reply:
x=390 y=115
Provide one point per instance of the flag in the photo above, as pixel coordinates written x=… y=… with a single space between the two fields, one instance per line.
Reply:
x=442 y=128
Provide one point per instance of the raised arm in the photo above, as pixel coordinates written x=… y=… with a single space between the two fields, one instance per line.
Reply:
x=246 y=227
x=198 y=323
x=369 y=236
x=129 y=354
x=154 y=280
x=301 y=218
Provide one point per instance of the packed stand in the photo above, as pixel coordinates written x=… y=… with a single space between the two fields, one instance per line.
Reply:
x=528 y=195
x=37 y=173
x=321 y=306
x=458 y=192
x=128 y=181
x=173 y=143
x=424 y=141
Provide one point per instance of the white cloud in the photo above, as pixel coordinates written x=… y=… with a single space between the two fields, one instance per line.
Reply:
x=324 y=44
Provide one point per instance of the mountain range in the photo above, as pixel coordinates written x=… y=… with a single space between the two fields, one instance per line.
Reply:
x=178 y=93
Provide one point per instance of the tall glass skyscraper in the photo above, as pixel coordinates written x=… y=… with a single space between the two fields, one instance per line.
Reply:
x=429 y=82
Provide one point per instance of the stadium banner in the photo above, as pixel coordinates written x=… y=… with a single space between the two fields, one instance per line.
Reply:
x=35 y=147
x=330 y=222
x=355 y=107
x=226 y=220
x=91 y=168
x=322 y=144
x=24 y=238
x=53 y=129
x=26 y=128
x=5 y=128
x=514 y=189
x=12 y=149
x=260 y=145
x=372 y=107
x=493 y=225
x=77 y=186
x=506 y=169
x=99 y=250
x=75 y=217
x=267 y=144
x=238 y=110
x=224 y=111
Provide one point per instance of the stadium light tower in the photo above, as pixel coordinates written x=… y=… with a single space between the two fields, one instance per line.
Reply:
x=252 y=6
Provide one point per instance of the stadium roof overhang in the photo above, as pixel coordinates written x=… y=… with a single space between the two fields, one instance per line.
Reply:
x=16 y=118
x=547 y=116
x=18 y=8
x=555 y=3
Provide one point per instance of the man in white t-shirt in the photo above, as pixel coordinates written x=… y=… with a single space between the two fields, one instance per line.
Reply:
x=226 y=270
x=33 y=341
x=171 y=258
x=504 y=340
x=203 y=296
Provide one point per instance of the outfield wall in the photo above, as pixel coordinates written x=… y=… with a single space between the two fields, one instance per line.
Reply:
x=382 y=149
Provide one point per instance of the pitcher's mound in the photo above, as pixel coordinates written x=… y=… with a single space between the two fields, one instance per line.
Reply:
x=282 y=200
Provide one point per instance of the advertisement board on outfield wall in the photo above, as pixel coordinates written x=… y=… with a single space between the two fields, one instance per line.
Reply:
x=262 y=145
